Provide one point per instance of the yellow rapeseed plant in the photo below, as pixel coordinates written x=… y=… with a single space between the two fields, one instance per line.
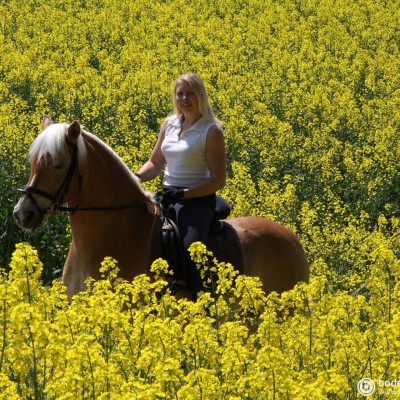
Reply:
x=121 y=340
x=308 y=95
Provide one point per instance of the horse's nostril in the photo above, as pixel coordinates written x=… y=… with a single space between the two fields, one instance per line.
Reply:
x=29 y=216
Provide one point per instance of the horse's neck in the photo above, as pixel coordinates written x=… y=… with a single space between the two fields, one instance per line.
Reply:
x=107 y=182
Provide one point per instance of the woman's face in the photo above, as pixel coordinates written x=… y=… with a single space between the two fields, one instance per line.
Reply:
x=185 y=98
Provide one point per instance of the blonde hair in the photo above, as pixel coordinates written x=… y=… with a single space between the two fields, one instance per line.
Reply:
x=199 y=89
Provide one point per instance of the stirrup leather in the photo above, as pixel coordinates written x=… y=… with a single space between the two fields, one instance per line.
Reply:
x=172 y=247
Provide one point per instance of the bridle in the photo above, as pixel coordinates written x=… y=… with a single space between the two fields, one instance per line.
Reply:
x=57 y=199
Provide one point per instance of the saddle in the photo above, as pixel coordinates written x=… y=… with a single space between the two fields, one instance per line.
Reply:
x=166 y=243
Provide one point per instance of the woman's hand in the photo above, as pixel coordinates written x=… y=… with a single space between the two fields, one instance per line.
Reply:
x=171 y=196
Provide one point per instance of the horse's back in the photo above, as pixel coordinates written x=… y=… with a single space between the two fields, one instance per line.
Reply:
x=272 y=252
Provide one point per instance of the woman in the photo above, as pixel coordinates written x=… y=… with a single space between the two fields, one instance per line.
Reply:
x=191 y=144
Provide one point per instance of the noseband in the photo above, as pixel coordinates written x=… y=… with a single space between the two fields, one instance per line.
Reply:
x=57 y=199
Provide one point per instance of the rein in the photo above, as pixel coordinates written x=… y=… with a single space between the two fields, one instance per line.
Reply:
x=109 y=208
x=58 y=198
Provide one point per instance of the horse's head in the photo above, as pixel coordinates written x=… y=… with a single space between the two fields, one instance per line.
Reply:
x=53 y=161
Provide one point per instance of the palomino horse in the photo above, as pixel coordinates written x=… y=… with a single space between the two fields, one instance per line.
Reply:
x=111 y=215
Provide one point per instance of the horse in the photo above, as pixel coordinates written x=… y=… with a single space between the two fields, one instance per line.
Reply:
x=111 y=214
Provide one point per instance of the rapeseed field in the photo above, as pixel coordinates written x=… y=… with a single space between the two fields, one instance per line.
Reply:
x=308 y=92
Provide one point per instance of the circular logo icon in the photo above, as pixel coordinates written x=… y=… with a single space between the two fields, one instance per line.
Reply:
x=366 y=386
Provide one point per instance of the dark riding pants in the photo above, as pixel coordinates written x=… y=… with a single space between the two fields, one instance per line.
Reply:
x=194 y=218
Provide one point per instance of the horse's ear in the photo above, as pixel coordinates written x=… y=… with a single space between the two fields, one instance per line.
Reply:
x=46 y=121
x=73 y=132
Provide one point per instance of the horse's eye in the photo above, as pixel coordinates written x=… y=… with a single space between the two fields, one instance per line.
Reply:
x=59 y=166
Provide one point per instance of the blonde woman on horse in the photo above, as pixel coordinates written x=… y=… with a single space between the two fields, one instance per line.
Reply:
x=191 y=147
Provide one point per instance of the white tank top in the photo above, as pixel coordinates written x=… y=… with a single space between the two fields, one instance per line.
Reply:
x=185 y=155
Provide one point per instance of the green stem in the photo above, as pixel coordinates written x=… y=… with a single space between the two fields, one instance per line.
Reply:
x=3 y=347
x=35 y=377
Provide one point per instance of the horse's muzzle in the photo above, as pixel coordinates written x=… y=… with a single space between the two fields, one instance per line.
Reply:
x=28 y=215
